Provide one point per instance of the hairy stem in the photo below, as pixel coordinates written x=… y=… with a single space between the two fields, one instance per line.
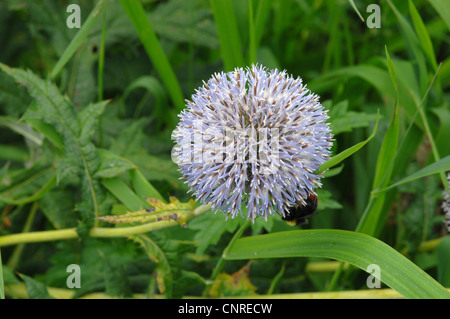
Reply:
x=99 y=232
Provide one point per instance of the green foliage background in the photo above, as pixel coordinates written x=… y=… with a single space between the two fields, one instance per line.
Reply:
x=86 y=117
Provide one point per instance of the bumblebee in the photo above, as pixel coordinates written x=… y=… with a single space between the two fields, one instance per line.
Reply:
x=298 y=214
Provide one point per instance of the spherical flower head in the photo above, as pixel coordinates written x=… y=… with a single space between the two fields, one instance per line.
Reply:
x=252 y=138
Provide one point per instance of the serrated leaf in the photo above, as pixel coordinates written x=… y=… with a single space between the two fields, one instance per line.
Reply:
x=76 y=131
x=57 y=206
x=88 y=117
x=185 y=21
x=35 y=289
x=210 y=229
x=326 y=201
x=164 y=276
x=113 y=166
x=27 y=185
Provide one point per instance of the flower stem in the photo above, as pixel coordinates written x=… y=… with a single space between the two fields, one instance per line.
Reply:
x=99 y=232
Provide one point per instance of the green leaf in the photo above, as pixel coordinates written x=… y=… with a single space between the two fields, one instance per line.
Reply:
x=159 y=110
x=57 y=206
x=28 y=185
x=348 y=152
x=435 y=168
x=227 y=28
x=443 y=258
x=422 y=33
x=35 y=289
x=210 y=229
x=142 y=186
x=78 y=40
x=164 y=276
x=186 y=22
x=21 y=128
x=443 y=133
x=443 y=9
x=378 y=78
x=137 y=15
x=342 y=120
x=119 y=189
x=371 y=220
x=112 y=165
x=414 y=45
x=357 y=249
x=81 y=156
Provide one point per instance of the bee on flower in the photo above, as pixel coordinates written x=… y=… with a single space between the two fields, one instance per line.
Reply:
x=253 y=138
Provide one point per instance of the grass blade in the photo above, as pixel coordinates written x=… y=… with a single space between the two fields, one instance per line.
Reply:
x=443 y=8
x=438 y=167
x=422 y=33
x=142 y=186
x=348 y=152
x=356 y=10
x=385 y=164
x=119 y=189
x=230 y=42
x=137 y=15
x=357 y=249
x=78 y=40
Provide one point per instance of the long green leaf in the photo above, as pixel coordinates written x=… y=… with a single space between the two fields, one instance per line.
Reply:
x=137 y=15
x=163 y=271
x=440 y=166
x=227 y=28
x=348 y=152
x=422 y=33
x=443 y=9
x=357 y=249
x=371 y=220
x=414 y=44
x=119 y=189
x=443 y=257
x=77 y=40
x=143 y=187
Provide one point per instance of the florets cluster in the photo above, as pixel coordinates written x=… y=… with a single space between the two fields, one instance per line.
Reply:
x=252 y=138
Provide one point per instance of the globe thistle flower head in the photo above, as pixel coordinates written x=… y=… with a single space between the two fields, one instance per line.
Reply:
x=252 y=138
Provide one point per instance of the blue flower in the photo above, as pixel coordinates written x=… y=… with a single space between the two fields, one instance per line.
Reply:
x=255 y=138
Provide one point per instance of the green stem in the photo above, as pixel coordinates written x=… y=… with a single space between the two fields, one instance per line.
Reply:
x=336 y=276
x=101 y=65
x=99 y=232
x=252 y=42
x=101 y=60
x=221 y=263
x=15 y=257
